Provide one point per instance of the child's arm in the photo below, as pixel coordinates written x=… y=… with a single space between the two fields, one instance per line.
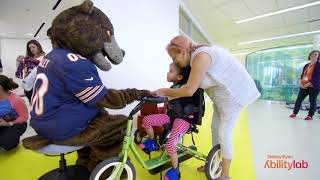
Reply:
x=20 y=107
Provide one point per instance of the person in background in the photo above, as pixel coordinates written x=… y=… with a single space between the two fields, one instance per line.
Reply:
x=226 y=82
x=1 y=68
x=309 y=85
x=26 y=65
x=13 y=114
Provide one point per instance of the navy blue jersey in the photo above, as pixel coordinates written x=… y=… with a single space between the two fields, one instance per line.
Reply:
x=66 y=91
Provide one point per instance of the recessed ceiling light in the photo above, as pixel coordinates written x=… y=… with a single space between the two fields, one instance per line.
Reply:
x=241 y=53
x=278 y=12
x=29 y=34
x=279 y=37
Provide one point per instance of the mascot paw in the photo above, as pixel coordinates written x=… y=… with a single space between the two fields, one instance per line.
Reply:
x=143 y=93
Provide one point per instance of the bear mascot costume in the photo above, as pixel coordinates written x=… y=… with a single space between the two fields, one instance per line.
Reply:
x=69 y=98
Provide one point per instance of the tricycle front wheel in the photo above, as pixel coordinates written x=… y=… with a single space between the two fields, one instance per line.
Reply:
x=109 y=168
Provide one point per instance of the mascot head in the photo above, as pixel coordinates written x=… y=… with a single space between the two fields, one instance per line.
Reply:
x=87 y=31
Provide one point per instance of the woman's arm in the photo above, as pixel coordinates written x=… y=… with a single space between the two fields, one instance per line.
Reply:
x=315 y=81
x=20 y=65
x=199 y=67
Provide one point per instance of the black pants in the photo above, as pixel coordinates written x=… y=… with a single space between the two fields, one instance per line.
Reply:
x=28 y=94
x=303 y=93
x=10 y=136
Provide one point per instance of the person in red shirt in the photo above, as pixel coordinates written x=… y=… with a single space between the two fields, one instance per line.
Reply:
x=309 y=85
x=13 y=114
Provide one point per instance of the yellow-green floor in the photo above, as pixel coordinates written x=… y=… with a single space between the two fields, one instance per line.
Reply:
x=21 y=164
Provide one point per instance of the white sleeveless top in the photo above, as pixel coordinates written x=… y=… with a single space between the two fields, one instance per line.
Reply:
x=226 y=80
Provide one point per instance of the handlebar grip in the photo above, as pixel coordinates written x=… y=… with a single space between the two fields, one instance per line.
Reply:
x=144 y=100
x=155 y=99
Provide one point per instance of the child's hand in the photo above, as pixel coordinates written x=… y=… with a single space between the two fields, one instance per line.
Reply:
x=171 y=98
x=160 y=92
x=153 y=93
x=4 y=123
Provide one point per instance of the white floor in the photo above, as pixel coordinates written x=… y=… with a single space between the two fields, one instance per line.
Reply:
x=274 y=133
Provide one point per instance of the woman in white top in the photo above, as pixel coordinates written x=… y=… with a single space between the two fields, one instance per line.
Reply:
x=224 y=79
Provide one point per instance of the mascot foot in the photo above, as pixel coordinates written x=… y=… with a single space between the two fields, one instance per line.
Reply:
x=35 y=142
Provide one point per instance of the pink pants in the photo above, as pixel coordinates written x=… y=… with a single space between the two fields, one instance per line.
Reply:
x=180 y=127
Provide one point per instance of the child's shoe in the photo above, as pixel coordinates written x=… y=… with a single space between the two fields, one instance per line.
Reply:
x=223 y=178
x=172 y=174
x=149 y=145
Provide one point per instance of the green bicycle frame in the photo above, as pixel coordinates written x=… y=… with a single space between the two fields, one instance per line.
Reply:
x=128 y=144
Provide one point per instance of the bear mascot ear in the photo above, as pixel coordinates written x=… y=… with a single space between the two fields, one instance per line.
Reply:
x=87 y=6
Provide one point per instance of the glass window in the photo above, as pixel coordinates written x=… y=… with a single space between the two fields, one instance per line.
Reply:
x=188 y=28
x=197 y=36
x=183 y=22
x=277 y=71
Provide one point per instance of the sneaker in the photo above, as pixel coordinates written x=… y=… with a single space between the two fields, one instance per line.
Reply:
x=172 y=174
x=224 y=178
x=292 y=115
x=149 y=145
x=308 y=118
x=202 y=168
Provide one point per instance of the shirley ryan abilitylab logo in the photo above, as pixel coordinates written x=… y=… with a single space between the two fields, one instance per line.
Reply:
x=284 y=162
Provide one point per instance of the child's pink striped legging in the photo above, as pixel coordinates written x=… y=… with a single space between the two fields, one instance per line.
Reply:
x=179 y=128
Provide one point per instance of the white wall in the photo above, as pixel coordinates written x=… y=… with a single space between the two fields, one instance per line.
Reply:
x=143 y=29
x=11 y=48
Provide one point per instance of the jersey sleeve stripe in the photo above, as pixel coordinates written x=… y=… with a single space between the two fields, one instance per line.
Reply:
x=83 y=92
x=88 y=94
x=94 y=95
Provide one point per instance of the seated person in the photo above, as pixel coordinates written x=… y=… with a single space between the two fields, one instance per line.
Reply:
x=179 y=77
x=13 y=114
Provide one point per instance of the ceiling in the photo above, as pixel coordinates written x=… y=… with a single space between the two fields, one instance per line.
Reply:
x=19 y=19
x=22 y=19
x=217 y=18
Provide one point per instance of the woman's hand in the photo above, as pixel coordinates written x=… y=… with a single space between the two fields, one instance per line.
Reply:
x=20 y=58
x=4 y=123
x=309 y=84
